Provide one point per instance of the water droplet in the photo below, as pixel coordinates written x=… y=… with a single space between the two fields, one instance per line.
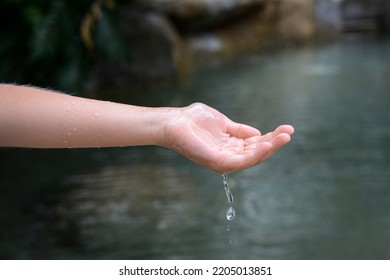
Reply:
x=96 y=114
x=230 y=213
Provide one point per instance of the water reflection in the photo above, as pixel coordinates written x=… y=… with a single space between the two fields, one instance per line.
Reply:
x=325 y=196
x=136 y=211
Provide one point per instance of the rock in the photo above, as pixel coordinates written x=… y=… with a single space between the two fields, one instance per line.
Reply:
x=363 y=15
x=167 y=36
x=282 y=20
x=328 y=17
x=294 y=19
x=201 y=15
x=206 y=43
x=156 y=51
x=334 y=16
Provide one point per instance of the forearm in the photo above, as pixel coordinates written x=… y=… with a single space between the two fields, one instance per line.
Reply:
x=31 y=117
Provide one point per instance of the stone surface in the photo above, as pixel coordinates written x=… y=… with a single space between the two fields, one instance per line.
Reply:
x=295 y=19
x=328 y=16
x=156 y=51
x=195 y=15
x=352 y=16
x=168 y=36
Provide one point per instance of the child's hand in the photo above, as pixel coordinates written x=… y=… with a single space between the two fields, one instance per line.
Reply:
x=209 y=138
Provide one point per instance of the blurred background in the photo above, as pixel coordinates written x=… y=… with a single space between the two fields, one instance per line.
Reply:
x=320 y=65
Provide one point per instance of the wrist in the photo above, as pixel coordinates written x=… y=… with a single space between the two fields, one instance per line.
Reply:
x=166 y=121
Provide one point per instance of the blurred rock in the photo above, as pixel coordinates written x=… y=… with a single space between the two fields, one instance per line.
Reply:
x=201 y=15
x=168 y=36
x=263 y=25
x=294 y=19
x=364 y=15
x=336 y=16
x=156 y=50
x=328 y=17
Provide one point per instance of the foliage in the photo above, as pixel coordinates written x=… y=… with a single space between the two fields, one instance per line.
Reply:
x=57 y=43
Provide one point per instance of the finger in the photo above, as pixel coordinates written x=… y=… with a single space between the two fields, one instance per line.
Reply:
x=285 y=128
x=288 y=129
x=264 y=150
x=254 y=154
x=251 y=156
x=252 y=140
x=256 y=150
x=276 y=143
x=241 y=130
x=280 y=140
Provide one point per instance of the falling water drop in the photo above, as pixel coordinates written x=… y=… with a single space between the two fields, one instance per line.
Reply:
x=230 y=213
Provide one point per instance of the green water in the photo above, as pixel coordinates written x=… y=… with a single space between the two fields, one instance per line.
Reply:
x=324 y=196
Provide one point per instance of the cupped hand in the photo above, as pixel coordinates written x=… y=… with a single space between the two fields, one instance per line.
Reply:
x=209 y=138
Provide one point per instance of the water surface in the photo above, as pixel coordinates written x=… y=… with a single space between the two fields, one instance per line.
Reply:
x=324 y=196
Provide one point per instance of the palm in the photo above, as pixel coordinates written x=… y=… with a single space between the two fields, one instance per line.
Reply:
x=207 y=137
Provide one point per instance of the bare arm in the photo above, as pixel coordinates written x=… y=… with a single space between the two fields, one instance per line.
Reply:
x=31 y=117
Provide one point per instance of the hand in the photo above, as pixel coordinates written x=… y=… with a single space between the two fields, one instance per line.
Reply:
x=207 y=137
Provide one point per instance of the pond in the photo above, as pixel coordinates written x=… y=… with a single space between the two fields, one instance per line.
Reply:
x=326 y=195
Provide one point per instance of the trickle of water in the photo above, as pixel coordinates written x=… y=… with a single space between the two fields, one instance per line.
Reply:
x=230 y=212
x=228 y=193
